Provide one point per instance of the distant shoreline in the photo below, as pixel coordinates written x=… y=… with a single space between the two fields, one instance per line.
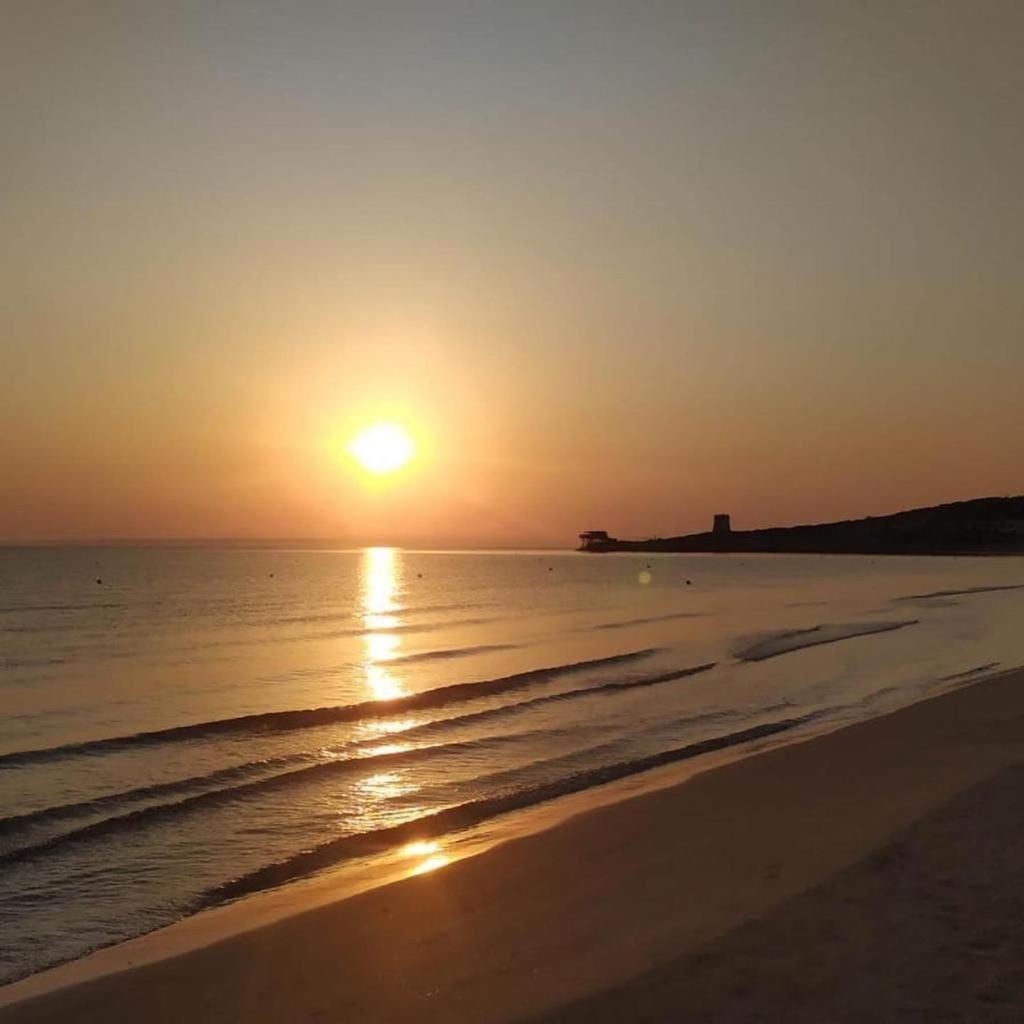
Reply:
x=980 y=526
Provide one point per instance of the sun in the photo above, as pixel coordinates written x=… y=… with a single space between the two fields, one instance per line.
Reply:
x=382 y=448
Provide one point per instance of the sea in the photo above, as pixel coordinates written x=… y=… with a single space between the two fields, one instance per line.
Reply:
x=185 y=727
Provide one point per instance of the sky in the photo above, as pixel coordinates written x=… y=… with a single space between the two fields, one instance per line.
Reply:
x=613 y=265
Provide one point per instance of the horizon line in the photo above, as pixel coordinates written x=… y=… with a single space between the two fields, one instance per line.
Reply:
x=334 y=542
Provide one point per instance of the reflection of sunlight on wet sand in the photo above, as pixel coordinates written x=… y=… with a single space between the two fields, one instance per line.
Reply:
x=430 y=864
x=381 y=572
x=430 y=850
x=421 y=848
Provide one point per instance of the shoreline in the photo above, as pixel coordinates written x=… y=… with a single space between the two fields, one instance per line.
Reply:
x=592 y=918
x=349 y=878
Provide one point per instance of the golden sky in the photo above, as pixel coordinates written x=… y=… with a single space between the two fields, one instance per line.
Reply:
x=613 y=265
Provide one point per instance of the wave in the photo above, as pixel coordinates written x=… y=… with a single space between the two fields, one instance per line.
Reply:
x=776 y=644
x=55 y=814
x=473 y=812
x=354 y=631
x=267 y=638
x=960 y=593
x=519 y=707
x=652 y=618
x=13 y=609
x=300 y=620
x=163 y=812
x=405 y=627
x=11 y=664
x=310 y=772
x=426 y=609
x=280 y=721
x=454 y=652
x=356 y=613
x=988 y=666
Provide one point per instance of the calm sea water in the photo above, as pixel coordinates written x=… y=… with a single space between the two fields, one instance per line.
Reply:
x=181 y=727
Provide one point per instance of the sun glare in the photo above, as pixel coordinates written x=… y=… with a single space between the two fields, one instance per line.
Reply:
x=382 y=448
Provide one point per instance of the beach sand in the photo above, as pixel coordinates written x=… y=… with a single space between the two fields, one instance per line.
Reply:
x=872 y=873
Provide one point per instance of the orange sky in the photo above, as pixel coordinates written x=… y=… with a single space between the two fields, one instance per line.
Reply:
x=617 y=266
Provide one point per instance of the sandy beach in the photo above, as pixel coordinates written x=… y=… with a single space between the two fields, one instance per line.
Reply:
x=870 y=873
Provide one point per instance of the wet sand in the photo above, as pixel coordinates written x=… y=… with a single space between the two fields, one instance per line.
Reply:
x=926 y=929
x=874 y=873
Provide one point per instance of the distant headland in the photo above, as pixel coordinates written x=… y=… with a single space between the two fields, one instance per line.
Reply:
x=982 y=526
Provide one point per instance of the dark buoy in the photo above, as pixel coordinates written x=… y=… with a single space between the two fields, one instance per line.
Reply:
x=689 y=583
x=99 y=580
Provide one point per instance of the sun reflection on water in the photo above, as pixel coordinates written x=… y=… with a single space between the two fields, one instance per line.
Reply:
x=382 y=646
x=381 y=583
x=381 y=576
x=386 y=748
x=380 y=800
x=385 y=786
x=383 y=727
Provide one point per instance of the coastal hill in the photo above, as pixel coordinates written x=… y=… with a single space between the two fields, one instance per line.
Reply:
x=979 y=526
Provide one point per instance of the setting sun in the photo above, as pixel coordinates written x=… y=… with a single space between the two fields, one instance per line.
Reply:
x=382 y=448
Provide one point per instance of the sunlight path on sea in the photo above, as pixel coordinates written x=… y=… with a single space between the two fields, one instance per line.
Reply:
x=381 y=578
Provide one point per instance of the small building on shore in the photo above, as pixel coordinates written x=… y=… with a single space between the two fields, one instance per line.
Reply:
x=594 y=540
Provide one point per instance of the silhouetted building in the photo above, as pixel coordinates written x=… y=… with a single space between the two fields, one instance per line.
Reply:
x=593 y=540
x=722 y=525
